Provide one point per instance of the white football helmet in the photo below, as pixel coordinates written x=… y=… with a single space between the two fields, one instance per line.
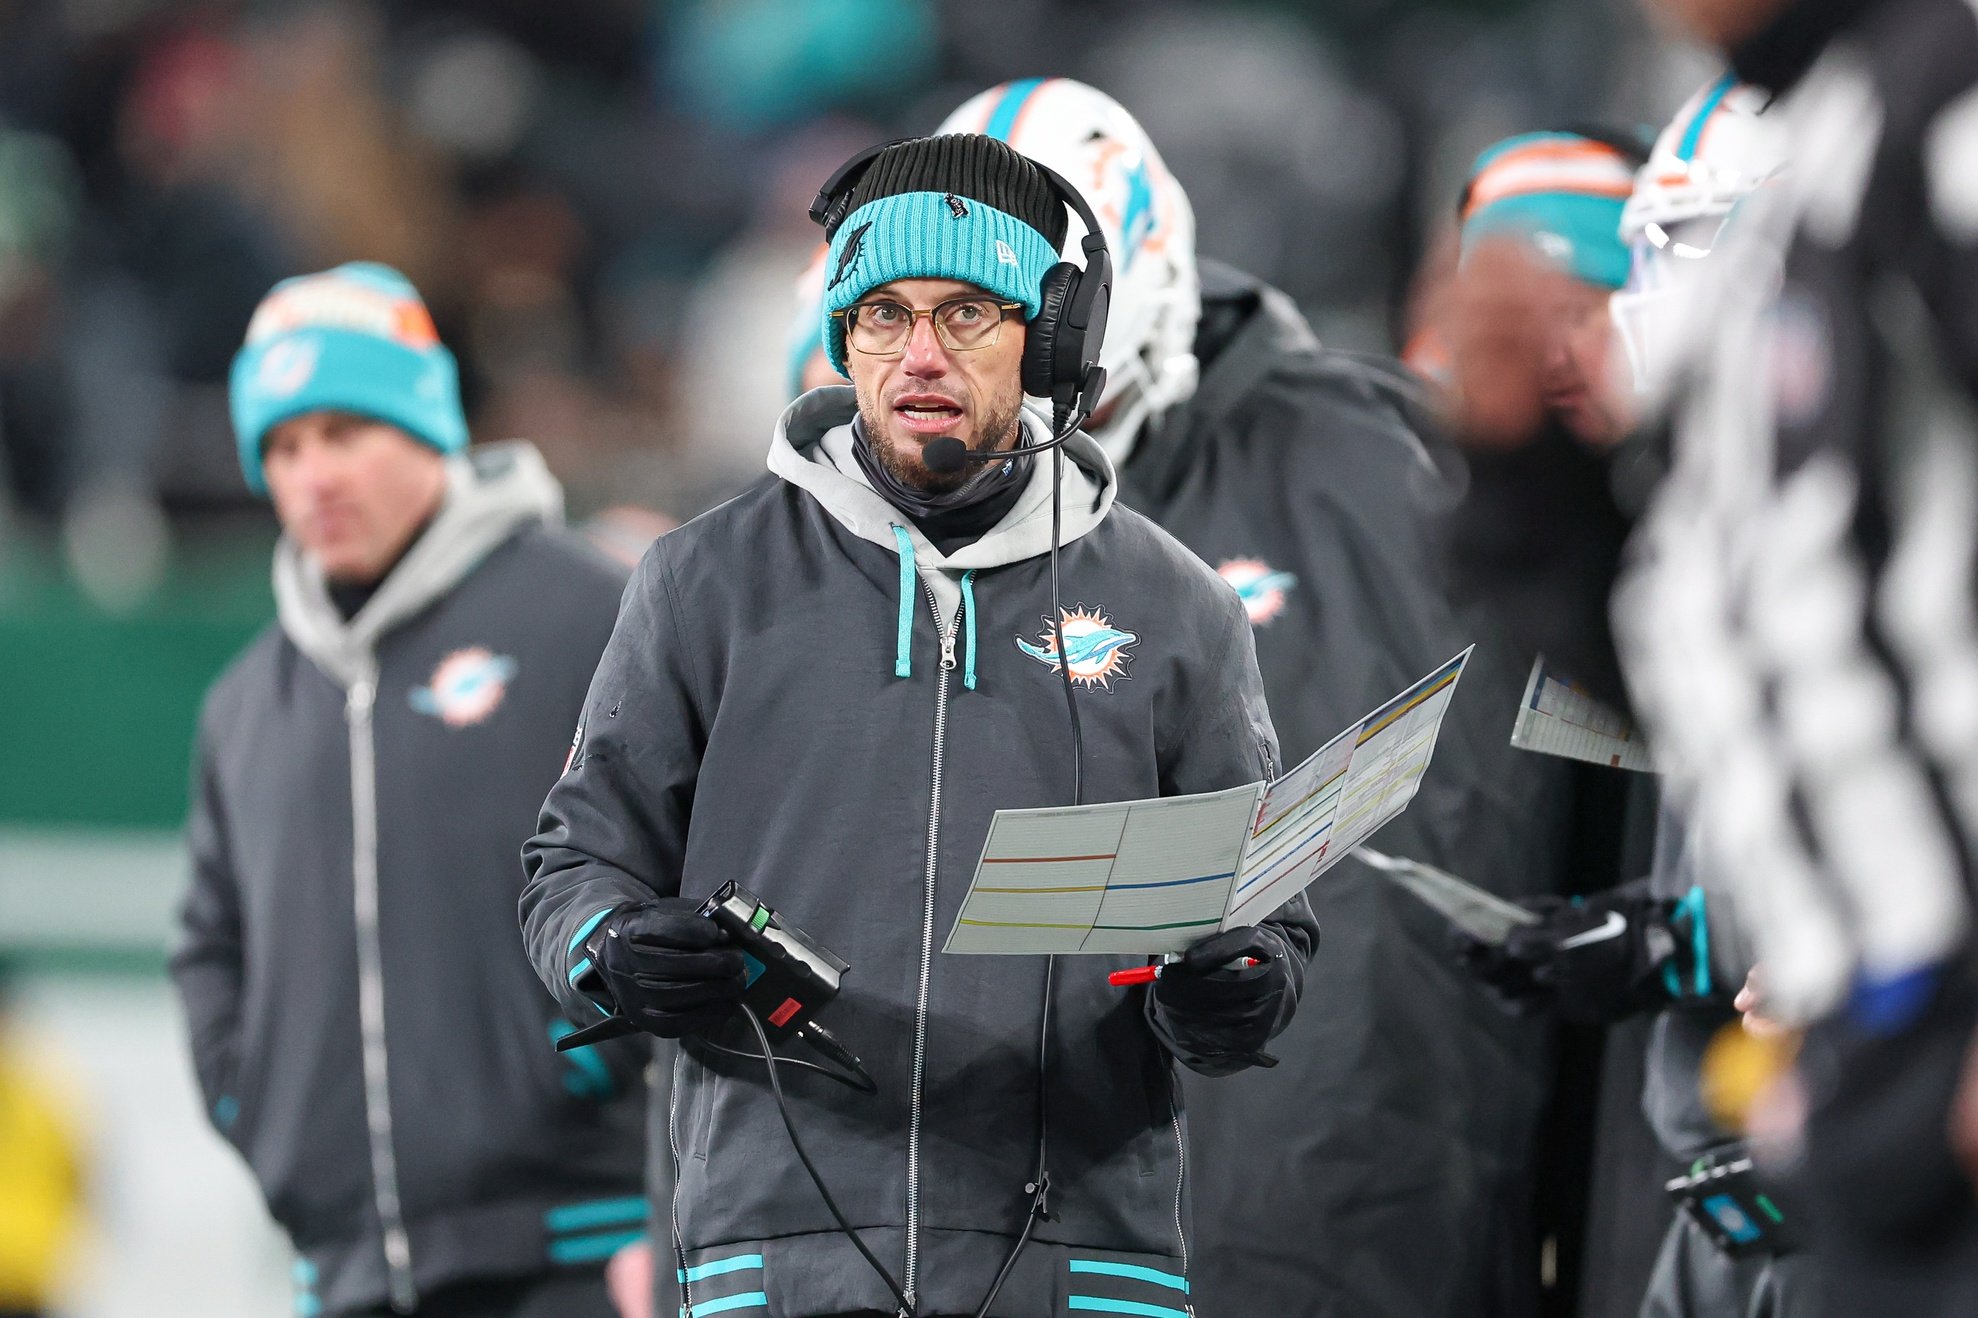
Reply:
x=1087 y=136
x=1719 y=149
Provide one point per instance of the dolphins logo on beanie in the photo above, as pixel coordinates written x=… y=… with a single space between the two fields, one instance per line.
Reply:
x=1563 y=192
x=353 y=339
x=960 y=206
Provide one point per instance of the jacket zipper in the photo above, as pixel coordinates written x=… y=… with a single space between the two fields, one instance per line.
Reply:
x=359 y=704
x=1180 y=1177
x=947 y=636
x=673 y=1143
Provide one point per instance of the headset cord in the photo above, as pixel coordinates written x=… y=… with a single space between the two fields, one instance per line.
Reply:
x=1058 y=615
x=856 y=1080
x=1039 y=1188
x=783 y=1109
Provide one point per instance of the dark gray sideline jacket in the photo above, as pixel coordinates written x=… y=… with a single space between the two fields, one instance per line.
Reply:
x=1382 y=1171
x=778 y=706
x=365 y=1027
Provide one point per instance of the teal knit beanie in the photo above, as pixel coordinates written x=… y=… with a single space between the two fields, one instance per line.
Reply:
x=353 y=339
x=1561 y=191
x=961 y=206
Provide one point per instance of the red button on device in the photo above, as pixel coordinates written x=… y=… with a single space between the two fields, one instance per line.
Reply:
x=781 y=1016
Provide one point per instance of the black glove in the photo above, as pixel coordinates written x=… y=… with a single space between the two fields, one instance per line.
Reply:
x=1592 y=962
x=669 y=969
x=1217 y=1020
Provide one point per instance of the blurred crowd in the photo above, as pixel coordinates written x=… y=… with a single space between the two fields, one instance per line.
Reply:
x=603 y=199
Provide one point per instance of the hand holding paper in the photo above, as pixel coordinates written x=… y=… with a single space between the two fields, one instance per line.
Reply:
x=1146 y=877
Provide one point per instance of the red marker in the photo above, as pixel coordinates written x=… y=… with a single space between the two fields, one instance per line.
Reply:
x=1148 y=974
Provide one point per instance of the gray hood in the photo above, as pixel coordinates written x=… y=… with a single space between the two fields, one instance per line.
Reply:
x=812 y=450
x=491 y=492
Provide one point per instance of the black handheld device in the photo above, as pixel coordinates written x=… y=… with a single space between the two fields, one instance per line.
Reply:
x=1723 y=1194
x=790 y=978
x=790 y=975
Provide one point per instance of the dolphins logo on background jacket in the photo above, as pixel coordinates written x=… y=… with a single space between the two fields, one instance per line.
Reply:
x=1097 y=649
x=1262 y=587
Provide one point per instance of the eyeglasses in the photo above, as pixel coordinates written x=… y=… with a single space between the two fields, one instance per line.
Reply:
x=881 y=328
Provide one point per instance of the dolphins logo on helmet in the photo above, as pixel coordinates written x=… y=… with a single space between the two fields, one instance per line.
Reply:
x=1262 y=588
x=466 y=688
x=1096 y=649
x=1087 y=136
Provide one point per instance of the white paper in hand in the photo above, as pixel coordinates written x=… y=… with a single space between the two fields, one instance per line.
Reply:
x=1146 y=877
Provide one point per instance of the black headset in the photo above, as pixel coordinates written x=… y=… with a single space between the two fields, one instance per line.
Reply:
x=1061 y=354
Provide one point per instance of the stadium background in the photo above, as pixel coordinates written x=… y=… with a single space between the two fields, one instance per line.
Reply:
x=603 y=201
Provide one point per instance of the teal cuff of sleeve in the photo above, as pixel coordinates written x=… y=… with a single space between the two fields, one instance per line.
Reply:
x=1694 y=911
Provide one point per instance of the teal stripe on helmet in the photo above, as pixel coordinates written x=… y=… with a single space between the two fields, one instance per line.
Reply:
x=730 y=1303
x=1693 y=136
x=1003 y=118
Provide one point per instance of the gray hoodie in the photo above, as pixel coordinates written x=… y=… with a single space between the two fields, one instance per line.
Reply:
x=803 y=695
x=364 y=1026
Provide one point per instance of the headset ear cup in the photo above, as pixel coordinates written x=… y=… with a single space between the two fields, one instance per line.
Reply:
x=1042 y=348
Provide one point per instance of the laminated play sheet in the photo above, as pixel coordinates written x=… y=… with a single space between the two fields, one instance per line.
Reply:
x=1149 y=877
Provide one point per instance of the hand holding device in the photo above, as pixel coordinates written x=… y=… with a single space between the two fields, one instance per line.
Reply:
x=670 y=970
x=1590 y=962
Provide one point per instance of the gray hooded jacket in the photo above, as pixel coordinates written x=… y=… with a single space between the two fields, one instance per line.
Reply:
x=364 y=1026
x=804 y=696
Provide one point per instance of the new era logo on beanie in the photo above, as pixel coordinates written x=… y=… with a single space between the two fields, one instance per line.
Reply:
x=962 y=206
x=353 y=339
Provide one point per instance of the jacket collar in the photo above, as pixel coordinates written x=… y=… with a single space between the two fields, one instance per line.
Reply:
x=812 y=450
x=492 y=492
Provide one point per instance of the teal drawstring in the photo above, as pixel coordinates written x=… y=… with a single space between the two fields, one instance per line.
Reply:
x=968 y=621
x=903 y=654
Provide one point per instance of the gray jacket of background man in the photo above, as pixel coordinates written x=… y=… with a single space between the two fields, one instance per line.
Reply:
x=1383 y=1170
x=365 y=1027
x=780 y=707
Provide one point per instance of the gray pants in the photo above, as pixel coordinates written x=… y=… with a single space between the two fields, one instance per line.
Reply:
x=1693 y=1278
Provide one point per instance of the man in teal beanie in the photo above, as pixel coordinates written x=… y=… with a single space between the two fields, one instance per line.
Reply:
x=824 y=689
x=1558 y=196
x=365 y=1028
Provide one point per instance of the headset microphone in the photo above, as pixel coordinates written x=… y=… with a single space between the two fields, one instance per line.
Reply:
x=948 y=455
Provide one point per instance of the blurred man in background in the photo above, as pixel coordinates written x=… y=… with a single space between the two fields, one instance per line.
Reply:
x=366 y=1030
x=1383 y=1170
x=1798 y=605
x=1660 y=944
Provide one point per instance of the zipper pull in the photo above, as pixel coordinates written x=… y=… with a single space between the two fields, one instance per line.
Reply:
x=948 y=650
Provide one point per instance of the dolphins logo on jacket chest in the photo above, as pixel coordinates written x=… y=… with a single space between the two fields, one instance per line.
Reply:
x=466 y=688
x=1095 y=650
x=1261 y=587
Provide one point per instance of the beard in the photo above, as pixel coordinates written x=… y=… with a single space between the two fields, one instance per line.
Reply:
x=1002 y=427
